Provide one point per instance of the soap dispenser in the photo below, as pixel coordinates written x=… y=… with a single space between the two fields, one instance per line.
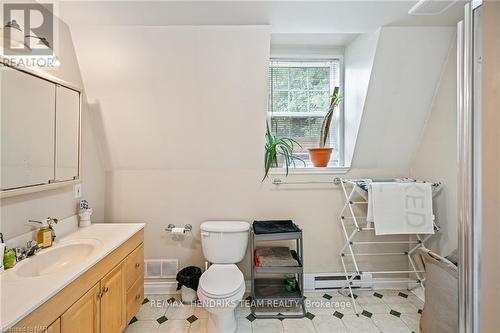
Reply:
x=44 y=236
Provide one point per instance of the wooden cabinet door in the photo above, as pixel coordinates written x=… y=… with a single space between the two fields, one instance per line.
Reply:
x=55 y=327
x=83 y=315
x=134 y=266
x=113 y=306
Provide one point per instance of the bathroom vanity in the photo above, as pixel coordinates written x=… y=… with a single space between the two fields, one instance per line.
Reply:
x=91 y=279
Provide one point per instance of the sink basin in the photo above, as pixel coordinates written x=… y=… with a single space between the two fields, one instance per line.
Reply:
x=57 y=259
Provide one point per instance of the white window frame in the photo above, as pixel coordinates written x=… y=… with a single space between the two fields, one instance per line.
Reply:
x=299 y=169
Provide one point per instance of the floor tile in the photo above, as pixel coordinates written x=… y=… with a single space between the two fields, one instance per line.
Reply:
x=389 y=323
x=391 y=292
x=200 y=312
x=369 y=299
x=364 y=293
x=242 y=312
x=161 y=297
x=142 y=326
x=303 y=325
x=267 y=326
x=163 y=301
x=291 y=310
x=375 y=307
x=174 y=326
x=359 y=324
x=338 y=314
x=395 y=313
x=404 y=294
x=412 y=320
x=328 y=324
x=179 y=312
x=406 y=307
x=199 y=326
x=394 y=299
x=417 y=302
x=366 y=313
x=149 y=311
x=310 y=316
x=244 y=326
x=322 y=306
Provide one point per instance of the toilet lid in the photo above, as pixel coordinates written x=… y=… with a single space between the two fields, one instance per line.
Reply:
x=221 y=281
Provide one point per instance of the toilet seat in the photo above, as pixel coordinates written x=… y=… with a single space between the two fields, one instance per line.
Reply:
x=221 y=281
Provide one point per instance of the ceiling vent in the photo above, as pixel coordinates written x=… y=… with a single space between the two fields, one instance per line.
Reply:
x=431 y=7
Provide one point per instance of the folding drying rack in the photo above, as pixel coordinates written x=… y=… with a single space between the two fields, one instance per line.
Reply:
x=356 y=189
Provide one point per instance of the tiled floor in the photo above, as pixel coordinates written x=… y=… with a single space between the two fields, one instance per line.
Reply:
x=387 y=311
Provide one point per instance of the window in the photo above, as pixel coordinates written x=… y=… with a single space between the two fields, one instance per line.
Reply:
x=299 y=97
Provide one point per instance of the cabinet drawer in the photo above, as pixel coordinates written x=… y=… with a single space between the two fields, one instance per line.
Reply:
x=134 y=266
x=135 y=296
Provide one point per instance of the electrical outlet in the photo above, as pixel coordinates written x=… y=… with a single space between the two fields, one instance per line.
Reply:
x=78 y=191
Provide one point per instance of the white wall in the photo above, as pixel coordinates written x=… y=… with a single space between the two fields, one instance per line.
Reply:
x=183 y=114
x=162 y=93
x=16 y=211
x=359 y=58
x=436 y=158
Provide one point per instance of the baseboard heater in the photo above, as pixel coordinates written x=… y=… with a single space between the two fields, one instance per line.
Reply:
x=338 y=281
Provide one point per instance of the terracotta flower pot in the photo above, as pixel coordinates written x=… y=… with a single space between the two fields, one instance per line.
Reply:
x=320 y=156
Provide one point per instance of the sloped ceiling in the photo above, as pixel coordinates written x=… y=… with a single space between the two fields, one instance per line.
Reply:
x=406 y=73
x=300 y=17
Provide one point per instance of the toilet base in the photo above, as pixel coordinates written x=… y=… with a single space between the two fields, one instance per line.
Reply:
x=222 y=322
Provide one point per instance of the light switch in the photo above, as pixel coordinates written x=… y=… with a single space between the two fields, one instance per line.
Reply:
x=78 y=191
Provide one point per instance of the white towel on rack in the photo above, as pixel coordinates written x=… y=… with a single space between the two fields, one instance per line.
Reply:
x=401 y=208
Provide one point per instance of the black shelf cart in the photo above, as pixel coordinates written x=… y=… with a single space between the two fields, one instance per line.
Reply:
x=270 y=292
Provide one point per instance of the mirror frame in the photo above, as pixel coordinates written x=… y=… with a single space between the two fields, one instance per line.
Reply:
x=53 y=184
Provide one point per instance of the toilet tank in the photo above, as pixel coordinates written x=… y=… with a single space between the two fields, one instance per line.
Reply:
x=224 y=242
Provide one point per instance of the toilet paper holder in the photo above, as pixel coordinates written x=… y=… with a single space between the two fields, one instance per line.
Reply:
x=187 y=228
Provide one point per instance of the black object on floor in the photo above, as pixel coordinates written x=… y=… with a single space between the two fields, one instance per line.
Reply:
x=189 y=277
x=274 y=227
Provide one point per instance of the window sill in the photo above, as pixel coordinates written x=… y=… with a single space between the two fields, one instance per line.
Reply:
x=309 y=171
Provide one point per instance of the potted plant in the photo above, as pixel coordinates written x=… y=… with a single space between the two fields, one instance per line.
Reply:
x=321 y=156
x=276 y=147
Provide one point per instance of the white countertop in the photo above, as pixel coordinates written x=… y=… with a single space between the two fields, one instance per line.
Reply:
x=21 y=295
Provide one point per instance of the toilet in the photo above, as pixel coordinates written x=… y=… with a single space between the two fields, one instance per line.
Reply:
x=222 y=285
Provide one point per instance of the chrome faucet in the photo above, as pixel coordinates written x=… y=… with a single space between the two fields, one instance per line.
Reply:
x=32 y=247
